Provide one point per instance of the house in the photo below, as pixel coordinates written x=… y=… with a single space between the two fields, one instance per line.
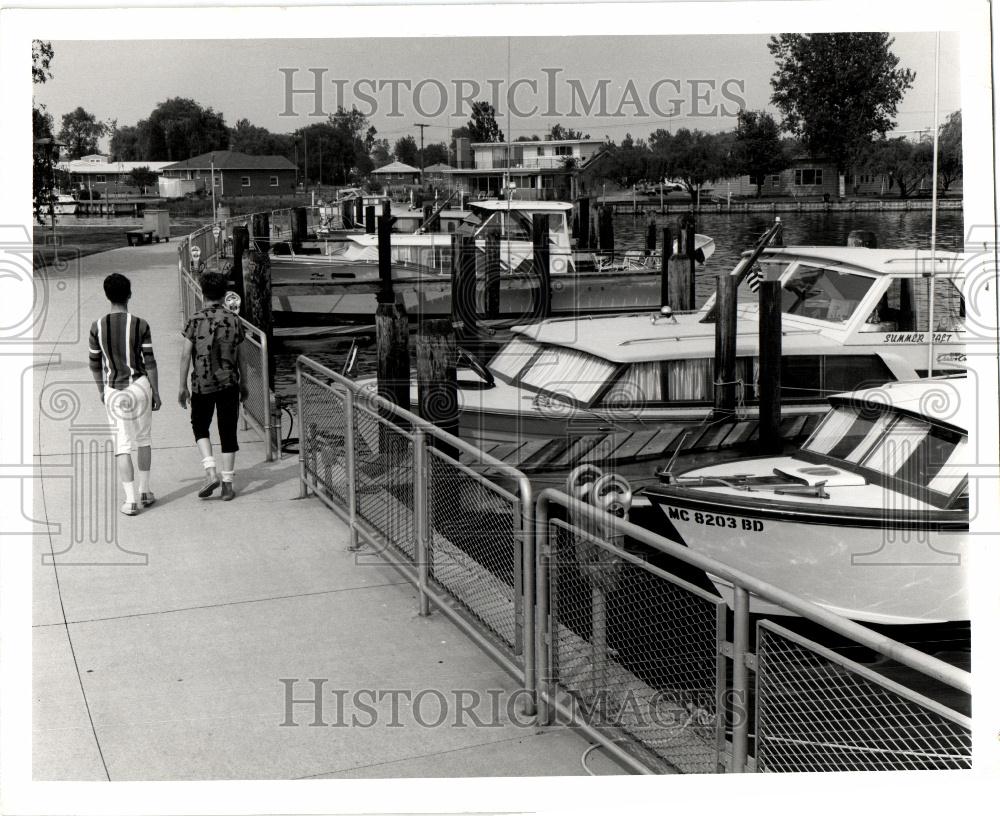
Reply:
x=234 y=174
x=438 y=173
x=397 y=173
x=97 y=173
x=542 y=170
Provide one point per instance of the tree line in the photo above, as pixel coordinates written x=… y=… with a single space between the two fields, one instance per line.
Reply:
x=837 y=94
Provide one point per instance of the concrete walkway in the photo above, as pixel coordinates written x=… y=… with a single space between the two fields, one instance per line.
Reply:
x=164 y=645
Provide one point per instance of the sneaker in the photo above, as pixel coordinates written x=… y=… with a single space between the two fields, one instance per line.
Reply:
x=228 y=494
x=146 y=499
x=208 y=488
x=130 y=509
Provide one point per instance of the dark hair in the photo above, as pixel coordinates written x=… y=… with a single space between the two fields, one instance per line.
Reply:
x=213 y=285
x=118 y=288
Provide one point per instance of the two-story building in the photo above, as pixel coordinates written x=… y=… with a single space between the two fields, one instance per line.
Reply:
x=233 y=174
x=542 y=170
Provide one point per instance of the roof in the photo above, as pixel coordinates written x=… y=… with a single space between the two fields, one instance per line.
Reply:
x=439 y=168
x=942 y=400
x=539 y=142
x=395 y=167
x=232 y=160
x=880 y=261
x=93 y=168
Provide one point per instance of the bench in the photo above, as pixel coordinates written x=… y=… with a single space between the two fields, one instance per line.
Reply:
x=140 y=236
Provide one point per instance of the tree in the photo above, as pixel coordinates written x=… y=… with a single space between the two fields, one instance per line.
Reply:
x=627 y=163
x=558 y=132
x=124 y=144
x=143 y=177
x=180 y=128
x=837 y=91
x=532 y=138
x=906 y=163
x=81 y=132
x=695 y=158
x=950 y=151
x=336 y=149
x=380 y=153
x=482 y=126
x=41 y=59
x=436 y=153
x=757 y=150
x=406 y=151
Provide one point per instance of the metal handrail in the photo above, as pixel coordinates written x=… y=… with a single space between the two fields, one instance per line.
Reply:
x=421 y=429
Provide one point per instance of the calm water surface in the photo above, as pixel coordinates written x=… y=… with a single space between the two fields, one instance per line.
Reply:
x=733 y=234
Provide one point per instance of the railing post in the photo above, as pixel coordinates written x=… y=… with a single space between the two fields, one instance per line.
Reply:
x=543 y=672
x=421 y=517
x=268 y=418
x=527 y=590
x=349 y=464
x=303 y=487
x=740 y=711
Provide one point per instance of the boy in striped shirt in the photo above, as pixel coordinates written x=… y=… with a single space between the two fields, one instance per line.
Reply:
x=124 y=368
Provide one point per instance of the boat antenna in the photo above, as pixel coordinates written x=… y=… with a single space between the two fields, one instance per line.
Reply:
x=934 y=174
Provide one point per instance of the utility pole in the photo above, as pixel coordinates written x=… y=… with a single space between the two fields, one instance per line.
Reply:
x=421 y=125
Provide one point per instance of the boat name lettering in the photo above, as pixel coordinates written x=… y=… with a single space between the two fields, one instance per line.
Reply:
x=918 y=337
x=716 y=520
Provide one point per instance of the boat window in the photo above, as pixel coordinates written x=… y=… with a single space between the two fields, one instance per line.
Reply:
x=905 y=307
x=823 y=294
x=512 y=358
x=920 y=453
x=841 y=433
x=639 y=383
x=690 y=379
x=849 y=372
x=568 y=372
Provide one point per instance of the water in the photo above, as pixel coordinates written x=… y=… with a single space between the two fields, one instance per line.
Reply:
x=733 y=235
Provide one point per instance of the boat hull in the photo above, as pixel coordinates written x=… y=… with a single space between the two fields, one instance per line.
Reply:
x=880 y=566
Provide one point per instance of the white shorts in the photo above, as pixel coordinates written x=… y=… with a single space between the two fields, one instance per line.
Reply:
x=130 y=412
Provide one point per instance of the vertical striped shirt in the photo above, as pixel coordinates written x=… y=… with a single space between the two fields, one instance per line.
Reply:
x=121 y=348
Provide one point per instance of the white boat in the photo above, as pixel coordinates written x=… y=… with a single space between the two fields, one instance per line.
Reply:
x=65 y=204
x=869 y=519
x=338 y=283
x=851 y=317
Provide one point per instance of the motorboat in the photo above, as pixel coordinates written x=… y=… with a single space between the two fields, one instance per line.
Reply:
x=65 y=204
x=338 y=284
x=851 y=317
x=869 y=518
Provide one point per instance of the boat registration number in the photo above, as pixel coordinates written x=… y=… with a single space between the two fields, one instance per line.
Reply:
x=716 y=520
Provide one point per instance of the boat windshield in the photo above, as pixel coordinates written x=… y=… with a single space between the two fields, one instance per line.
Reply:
x=555 y=370
x=903 y=447
x=822 y=293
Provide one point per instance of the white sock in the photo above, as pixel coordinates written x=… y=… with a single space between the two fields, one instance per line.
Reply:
x=129 y=492
x=227 y=475
x=143 y=482
x=208 y=463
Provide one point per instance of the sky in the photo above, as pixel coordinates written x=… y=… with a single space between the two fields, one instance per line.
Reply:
x=647 y=82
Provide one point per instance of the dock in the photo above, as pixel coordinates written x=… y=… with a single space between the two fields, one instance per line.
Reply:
x=165 y=644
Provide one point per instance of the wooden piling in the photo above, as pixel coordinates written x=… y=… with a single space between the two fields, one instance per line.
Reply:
x=392 y=330
x=428 y=218
x=241 y=240
x=681 y=274
x=651 y=236
x=463 y=281
x=668 y=251
x=370 y=226
x=359 y=211
x=262 y=231
x=300 y=226
x=437 y=378
x=583 y=239
x=606 y=229
x=492 y=275
x=770 y=367
x=257 y=300
x=542 y=305
x=725 y=347
x=347 y=214
x=689 y=252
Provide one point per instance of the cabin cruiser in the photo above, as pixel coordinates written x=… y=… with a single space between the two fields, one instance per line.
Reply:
x=869 y=519
x=851 y=317
x=338 y=284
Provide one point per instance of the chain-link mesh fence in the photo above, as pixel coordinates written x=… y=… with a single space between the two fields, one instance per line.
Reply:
x=323 y=419
x=384 y=482
x=637 y=648
x=818 y=711
x=474 y=550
